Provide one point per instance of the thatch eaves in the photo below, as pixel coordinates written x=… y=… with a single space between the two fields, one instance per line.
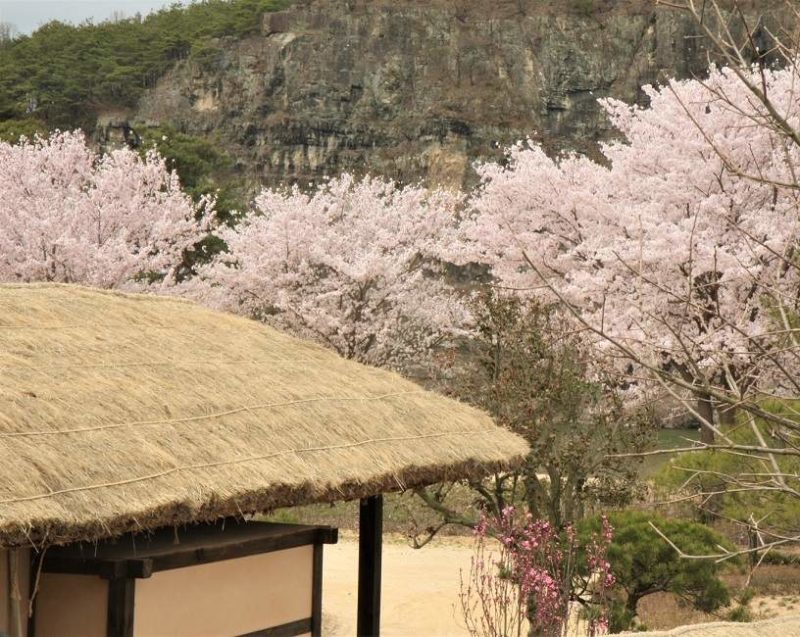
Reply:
x=124 y=412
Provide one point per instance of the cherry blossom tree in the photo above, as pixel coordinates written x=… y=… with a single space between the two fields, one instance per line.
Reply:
x=677 y=257
x=354 y=265
x=70 y=215
x=666 y=252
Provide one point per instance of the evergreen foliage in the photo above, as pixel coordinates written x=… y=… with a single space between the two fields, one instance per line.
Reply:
x=644 y=563
x=204 y=169
x=203 y=166
x=62 y=74
x=702 y=472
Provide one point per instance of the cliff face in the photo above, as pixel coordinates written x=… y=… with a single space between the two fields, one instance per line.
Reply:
x=419 y=88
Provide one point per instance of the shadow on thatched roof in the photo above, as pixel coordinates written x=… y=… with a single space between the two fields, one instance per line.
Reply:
x=125 y=412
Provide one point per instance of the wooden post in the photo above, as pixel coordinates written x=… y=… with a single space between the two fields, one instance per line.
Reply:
x=370 y=533
x=14 y=593
x=121 y=591
x=316 y=593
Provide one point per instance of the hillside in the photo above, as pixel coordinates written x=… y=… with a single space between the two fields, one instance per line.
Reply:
x=421 y=89
x=62 y=75
x=282 y=91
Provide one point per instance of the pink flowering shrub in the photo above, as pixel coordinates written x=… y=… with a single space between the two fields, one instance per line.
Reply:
x=525 y=582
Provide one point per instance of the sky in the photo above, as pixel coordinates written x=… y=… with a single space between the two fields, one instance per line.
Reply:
x=28 y=15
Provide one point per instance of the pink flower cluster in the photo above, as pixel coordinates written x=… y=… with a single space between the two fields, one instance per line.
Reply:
x=680 y=245
x=536 y=558
x=534 y=576
x=355 y=265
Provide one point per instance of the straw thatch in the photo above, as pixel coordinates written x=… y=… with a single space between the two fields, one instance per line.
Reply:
x=123 y=412
x=780 y=627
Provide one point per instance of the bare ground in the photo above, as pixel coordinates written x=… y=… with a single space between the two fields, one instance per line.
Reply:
x=420 y=588
x=421 y=591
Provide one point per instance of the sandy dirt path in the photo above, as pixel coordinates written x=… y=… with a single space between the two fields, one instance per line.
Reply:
x=420 y=589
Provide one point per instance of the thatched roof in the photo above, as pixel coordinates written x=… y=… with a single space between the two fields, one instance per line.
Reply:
x=123 y=412
x=780 y=627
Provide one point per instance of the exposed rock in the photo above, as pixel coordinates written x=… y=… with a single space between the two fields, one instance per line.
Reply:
x=420 y=88
x=113 y=129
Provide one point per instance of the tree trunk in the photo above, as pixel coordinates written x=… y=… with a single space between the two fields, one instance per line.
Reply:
x=631 y=603
x=727 y=415
x=534 y=490
x=705 y=407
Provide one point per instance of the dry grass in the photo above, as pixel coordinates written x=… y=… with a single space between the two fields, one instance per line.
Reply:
x=772 y=580
x=663 y=611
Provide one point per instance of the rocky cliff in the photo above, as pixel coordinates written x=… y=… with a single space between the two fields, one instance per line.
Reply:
x=420 y=88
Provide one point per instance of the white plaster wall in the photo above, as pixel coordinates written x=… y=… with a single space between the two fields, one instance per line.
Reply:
x=230 y=597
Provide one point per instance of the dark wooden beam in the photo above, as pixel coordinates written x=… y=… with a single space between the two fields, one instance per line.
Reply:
x=316 y=593
x=120 y=607
x=142 y=555
x=370 y=532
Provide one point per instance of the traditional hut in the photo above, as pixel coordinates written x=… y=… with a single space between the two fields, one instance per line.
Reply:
x=127 y=420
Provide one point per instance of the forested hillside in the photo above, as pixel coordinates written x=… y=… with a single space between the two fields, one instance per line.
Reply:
x=63 y=75
x=412 y=90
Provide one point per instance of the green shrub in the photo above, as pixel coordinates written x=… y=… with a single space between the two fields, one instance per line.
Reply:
x=644 y=563
x=705 y=471
x=11 y=130
x=740 y=614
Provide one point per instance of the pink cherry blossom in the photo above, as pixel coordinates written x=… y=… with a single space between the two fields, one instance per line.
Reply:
x=678 y=246
x=70 y=215
x=354 y=265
